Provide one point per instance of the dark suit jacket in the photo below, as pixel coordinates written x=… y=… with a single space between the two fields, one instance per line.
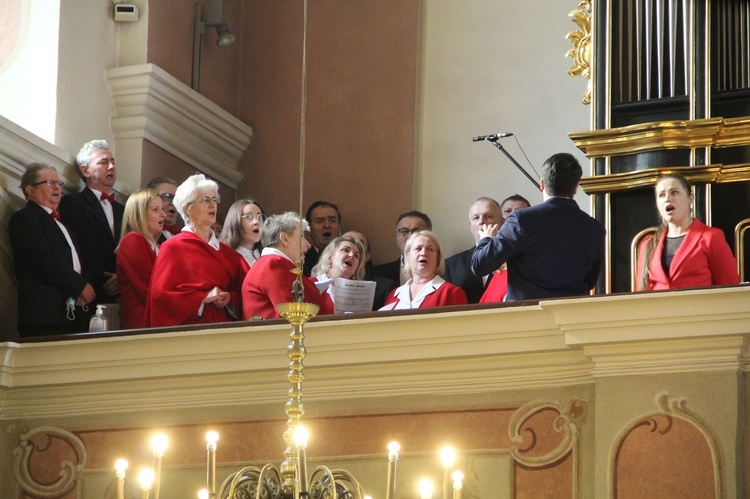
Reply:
x=552 y=249
x=311 y=260
x=391 y=270
x=458 y=271
x=44 y=270
x=84 y=216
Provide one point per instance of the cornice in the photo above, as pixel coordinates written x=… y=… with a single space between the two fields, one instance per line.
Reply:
x=151 y=104
x=567 y=342
x=19 y=148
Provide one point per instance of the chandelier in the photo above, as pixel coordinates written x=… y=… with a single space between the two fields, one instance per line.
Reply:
x=290 y=480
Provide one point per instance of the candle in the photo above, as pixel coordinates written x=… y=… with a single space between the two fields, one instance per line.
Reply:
x=390 y=490
x=425 y=488
x=120 y=466
x=448 y=456
x=146 y=478
x=458 y=478
x=159 y=445
x=211 y=438
x=300 y=439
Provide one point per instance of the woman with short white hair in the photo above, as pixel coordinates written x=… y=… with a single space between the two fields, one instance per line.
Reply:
x=270 y=280
x=197 y=279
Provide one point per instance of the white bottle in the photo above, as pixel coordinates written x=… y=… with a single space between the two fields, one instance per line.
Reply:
x=98 y=322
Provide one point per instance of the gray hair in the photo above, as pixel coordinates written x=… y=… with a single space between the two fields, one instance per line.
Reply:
x=187 y=192
x=287 y=222
x=31 y=175
x=84 y=156
x=160 y=180
x=433 y=237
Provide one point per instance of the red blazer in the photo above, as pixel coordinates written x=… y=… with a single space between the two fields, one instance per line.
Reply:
x=186 y=269
x=269 y=282
x=703 y=259
x=497 y=288
x=446 y=294
x=135 y=264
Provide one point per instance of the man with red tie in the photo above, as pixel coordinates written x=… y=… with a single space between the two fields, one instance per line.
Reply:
x=166 y=187
x=51 y=288
x=95 y=218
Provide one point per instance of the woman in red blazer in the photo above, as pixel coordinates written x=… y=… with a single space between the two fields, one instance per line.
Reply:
x=424 y=261
x=142 y=224
x=684 y=252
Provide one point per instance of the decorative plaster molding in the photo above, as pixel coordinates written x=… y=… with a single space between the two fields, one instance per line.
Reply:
x=19 y=147
x=153 y=105
x=570 y=414
x=674 y=407
x=24 y=452
x=446 y=353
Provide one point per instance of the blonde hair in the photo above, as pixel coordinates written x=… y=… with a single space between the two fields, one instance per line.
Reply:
x=432 y=237
x=323 y=266
x=136 y=213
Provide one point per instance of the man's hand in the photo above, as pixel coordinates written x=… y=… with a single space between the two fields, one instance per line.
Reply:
x=488 y=230
x=87 y=296
x=111 y=285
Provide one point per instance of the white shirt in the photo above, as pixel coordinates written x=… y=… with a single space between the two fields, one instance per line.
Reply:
x=73 y=252
x=107 y=207
x=250 y=256
x=403 y=293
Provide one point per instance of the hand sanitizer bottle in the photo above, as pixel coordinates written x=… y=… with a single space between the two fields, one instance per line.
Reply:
x=98 y=322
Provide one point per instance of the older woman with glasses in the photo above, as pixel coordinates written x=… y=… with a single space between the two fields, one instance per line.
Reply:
x=241 y=230
x=197 y=279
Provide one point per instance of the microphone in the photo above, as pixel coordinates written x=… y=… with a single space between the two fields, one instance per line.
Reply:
x=491 y=138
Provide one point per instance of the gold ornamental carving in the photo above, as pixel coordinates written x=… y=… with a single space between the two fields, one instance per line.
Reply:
x=581 y=51
x=566 y=424
x=48 y=439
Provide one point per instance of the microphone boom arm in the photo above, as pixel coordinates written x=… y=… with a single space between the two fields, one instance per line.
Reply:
x=502 y=149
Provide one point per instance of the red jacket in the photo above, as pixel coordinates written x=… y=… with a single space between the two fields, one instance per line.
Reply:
x=186 y=269
x=269 y=282
x=703 y=259
x=135 y=263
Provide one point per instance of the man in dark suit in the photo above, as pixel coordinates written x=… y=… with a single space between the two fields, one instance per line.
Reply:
x=458 y=267
x=325 y=226
x=95 y=218
x=407 y=224
x=47 y=265
x=553 y=249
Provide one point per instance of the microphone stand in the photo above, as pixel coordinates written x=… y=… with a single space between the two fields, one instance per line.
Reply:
x=502 y=149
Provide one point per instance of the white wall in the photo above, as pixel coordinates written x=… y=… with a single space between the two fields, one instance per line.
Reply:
x=28 y=79
x=492 y=66
x=88 y=46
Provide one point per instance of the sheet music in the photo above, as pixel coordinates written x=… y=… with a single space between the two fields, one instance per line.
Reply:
x=352 y=296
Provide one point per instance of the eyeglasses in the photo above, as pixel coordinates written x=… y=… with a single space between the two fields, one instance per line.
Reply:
x=166 y=196
x=250 y=217
x=405 y=232
x=208 y=199
x=50 y=183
